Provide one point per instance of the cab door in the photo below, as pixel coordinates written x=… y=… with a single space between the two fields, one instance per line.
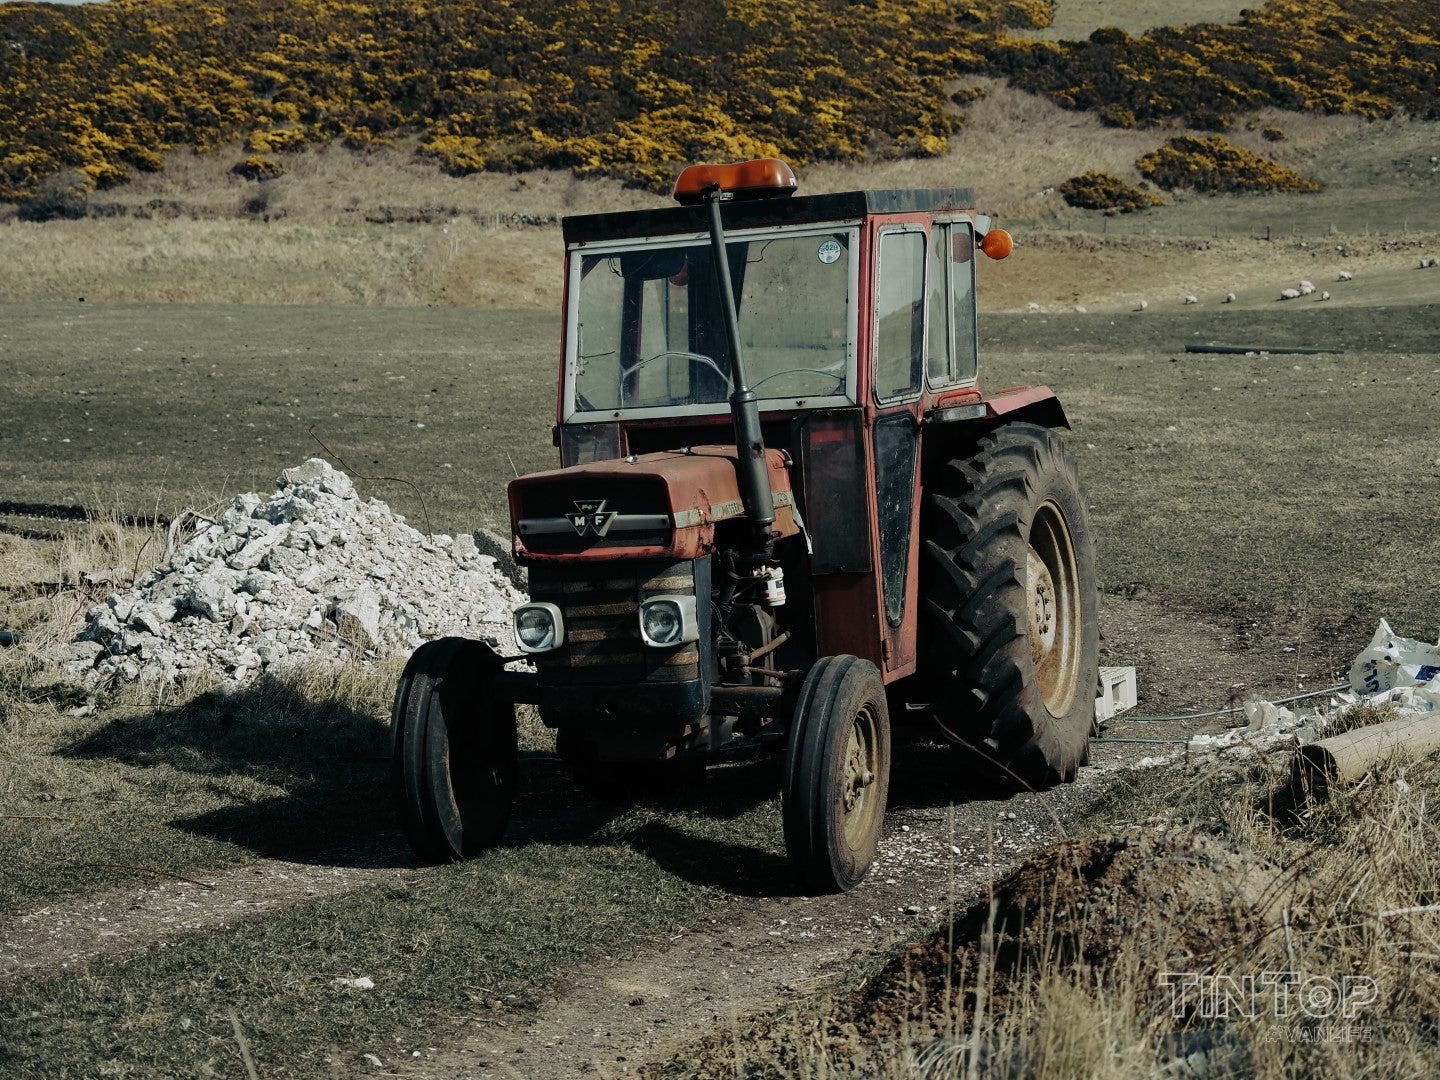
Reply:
x=898 y=373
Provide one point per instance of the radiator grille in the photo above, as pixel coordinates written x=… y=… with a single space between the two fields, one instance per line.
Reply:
x=600 y=603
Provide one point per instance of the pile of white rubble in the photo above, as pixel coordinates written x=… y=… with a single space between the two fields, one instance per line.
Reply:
x=309 y=571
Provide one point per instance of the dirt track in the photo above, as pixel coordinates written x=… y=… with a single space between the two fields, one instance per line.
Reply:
x=756 y=953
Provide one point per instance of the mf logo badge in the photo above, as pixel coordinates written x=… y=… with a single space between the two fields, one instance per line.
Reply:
x=591 y=516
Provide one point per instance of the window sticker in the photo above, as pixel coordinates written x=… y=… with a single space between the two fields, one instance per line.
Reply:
x=829 y=252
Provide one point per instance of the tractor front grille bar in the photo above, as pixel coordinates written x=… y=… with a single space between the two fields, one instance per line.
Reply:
x=601 y=606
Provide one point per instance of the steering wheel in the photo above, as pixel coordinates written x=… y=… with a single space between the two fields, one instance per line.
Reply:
x=839 y=379
x=700 y=358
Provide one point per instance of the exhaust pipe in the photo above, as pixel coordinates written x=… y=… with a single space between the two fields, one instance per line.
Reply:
x=752 y=473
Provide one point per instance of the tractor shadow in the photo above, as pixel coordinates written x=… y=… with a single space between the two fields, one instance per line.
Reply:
x=927 y=772
x=265 y=768
x=725 y=831
x=271 y=770
x=720 y=831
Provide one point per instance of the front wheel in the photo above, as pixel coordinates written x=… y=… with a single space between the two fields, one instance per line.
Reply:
x=837 y=773
x=453 y=754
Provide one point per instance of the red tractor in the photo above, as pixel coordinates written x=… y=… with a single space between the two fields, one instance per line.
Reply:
x=785 y=511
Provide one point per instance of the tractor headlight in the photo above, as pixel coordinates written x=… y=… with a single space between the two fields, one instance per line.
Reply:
x=539 y=627
x=668 y=620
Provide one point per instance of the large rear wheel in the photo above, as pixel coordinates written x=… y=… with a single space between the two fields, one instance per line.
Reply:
x=453 y=756
x=1010 y=633
x=837 y=773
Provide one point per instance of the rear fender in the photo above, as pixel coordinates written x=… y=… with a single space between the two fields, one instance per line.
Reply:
x=972 y=414
x=1032 y=404
x=953 y=427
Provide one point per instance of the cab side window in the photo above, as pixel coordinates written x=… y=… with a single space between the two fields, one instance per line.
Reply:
x=962 y=300
x=951 y=303
x=900 y=315
x=937 y=363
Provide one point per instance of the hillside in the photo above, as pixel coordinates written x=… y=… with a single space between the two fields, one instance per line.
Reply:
x=101 y=92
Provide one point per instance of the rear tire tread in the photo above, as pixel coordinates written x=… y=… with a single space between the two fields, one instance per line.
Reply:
x=975 y=647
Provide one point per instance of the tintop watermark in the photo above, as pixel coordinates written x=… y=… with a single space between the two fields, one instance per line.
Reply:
x=1318 y=1000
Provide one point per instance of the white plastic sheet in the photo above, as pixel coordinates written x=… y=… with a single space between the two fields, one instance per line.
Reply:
x=1390 y=661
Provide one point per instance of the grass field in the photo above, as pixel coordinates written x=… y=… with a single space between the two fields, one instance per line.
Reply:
x=1269 y=485
x=1292 y=476
x=435 y=942
x=132 y=405
x=1287 y=488
x=387 y=229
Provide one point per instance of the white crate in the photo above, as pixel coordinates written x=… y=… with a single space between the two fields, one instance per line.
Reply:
x=1117 y=692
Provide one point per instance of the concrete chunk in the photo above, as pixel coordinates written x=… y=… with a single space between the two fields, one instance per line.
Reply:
x=317 y=473
x=357 y=617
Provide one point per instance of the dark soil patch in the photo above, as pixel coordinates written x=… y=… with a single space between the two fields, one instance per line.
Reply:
x=1119 y=908
x=1115 y=911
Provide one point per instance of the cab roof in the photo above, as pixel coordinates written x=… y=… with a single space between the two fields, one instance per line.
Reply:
x=755 y=213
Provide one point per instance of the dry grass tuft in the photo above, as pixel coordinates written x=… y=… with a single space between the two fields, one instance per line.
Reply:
x=1362 y=714
x=50 y=582
x=1147 y=952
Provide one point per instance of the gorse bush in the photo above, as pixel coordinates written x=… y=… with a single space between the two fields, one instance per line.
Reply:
x=1105 y=191
x=635 y=88
x=59 y=195
x=1212 y=164
x=256 y=167
x=1332 y=56
x=628 y=87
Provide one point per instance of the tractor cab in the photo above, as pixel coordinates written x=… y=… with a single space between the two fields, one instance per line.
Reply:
x=784 y=505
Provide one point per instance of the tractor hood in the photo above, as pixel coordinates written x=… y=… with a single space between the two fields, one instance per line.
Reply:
x=662 y=505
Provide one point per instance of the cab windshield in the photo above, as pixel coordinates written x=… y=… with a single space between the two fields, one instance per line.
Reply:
x=647 y=330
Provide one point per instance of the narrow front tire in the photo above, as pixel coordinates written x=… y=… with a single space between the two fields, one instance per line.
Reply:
x=837 y=774
x=453 y=755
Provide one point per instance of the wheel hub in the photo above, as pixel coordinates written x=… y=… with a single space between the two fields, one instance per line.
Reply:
x=858 y=775
x=1042 y=603
x=1053 y=609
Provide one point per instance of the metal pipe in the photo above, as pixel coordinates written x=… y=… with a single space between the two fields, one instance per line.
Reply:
x=752 y=473
x=769 y=647
x=1345 y=758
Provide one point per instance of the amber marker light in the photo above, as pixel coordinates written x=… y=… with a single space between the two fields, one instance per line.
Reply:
x=997 y=243
x=759 y=178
